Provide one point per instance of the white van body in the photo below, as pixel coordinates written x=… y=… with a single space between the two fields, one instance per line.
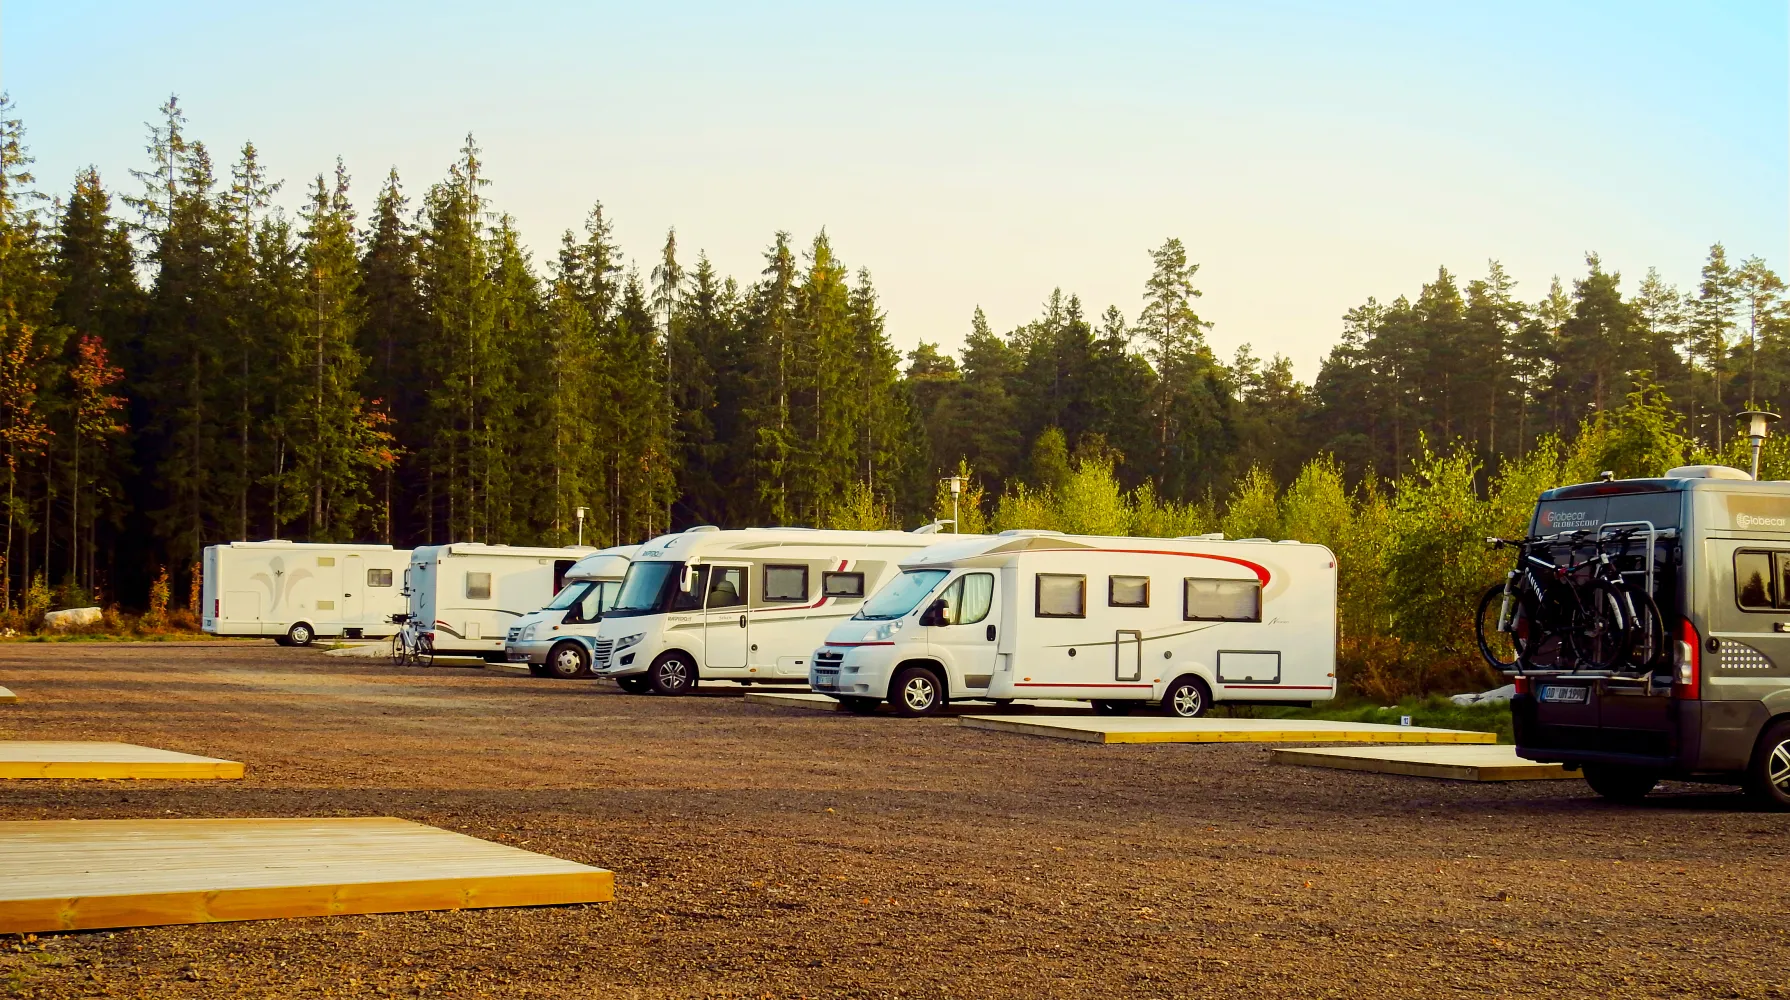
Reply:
x=747 y=604
x=296 y=591
x=466 y=595
x=590 y=589
x=1117 y=621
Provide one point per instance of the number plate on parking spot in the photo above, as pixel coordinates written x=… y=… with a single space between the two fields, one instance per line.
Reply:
x=1561 y=694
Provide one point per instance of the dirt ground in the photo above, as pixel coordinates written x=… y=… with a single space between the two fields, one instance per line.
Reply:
x=774 y=852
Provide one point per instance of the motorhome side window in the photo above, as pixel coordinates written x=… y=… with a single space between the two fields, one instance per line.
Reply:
x=1128 y=591
x=968 y=598
x=1760 y=579
x=1223 y=600
x=842 y=585
x=785 y=584
x=379 y=578
x=478 y=586
x=1061 y=595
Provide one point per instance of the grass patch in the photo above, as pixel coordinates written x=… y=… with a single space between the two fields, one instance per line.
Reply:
x=74 y=636
x=1434 y=711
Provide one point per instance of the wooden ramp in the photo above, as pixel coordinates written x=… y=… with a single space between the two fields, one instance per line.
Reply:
x=1459 y=763
x=518 y=669
x=81 y=874
x=26 y=759
x=1161 y=729
x=825 y=703
x=7 y=697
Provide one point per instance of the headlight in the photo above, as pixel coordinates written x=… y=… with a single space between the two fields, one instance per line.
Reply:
x=528 y=632
x=883 y=631
x=629 y=640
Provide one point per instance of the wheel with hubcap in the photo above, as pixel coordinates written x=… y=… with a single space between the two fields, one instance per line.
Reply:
x=860 y=706
x=1186 y=698
x=299 y=635
x=1768 y=777
x=1111 y=707
x=539 y=670
x=635 y=684
x=673 y=673
x=568 y=660
x=1620 y=784
x=916 y=691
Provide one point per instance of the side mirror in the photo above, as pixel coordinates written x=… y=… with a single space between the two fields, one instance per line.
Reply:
x=935 y=614
x=686 y=578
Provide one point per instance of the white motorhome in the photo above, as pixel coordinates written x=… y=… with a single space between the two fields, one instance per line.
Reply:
x=543 y=639
x=466 y=595
x=297 y=591
x=747 y=604
x=1120 y=622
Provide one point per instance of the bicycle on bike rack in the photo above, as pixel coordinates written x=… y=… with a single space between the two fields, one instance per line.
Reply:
x=1581 y=613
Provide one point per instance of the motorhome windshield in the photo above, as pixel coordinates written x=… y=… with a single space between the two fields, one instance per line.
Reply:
x=901 y=595
x=570 y=594
x=644 y=588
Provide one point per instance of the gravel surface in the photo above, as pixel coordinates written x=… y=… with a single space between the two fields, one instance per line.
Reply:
x=774 y=852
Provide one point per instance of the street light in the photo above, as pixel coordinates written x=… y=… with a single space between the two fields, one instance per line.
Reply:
x=1758 y=423
x=581 y=512
x=956 y=490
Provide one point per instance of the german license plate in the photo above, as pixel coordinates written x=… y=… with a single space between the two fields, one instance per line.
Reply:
x=1563 y=694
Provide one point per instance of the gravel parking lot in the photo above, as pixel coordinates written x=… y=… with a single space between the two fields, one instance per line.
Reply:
x=773 y=852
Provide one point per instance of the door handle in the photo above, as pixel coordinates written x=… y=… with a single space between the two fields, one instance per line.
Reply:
x=742 y=621
x=991 y=633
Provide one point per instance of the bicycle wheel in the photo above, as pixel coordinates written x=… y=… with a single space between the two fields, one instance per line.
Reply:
x=425 y=651
x=1600 y=629
x=1504 y=628
x=397 y=649
x=1647 y=633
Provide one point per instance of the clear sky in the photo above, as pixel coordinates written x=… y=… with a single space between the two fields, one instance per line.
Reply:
x=1309 y=154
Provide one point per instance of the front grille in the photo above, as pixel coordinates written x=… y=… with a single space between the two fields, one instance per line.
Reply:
x=605 y=649
x=513 y=635
x=826 y=658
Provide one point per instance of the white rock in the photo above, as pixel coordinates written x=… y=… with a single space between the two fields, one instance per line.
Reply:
x=1493 y=696
x=71 y=618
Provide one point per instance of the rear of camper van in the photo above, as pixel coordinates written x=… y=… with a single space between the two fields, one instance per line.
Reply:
x=467 y=595
x=1121 y=622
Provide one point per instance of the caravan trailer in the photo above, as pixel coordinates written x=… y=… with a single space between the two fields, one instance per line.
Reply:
x=747 y=604
x=1182 y=622
x=1713 y=547
x=543 y=639
x=297 y=591
x=466 y=595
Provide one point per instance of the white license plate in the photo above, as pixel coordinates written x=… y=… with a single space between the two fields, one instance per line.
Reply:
x=1561 y=694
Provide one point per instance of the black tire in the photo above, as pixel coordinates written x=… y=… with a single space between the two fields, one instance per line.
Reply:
x=1600 y=628
x=672 y=674
x=635 y=684
x=1187 y=698
x=860 y=706
x=1509 y=647
x=300 y=634
x=397 y=654
x=280 y=640
x=568 y=661
x=916 y=691
x=1618 y=783
x=1111 y=707
x=1768 y=776
x=1647 y=635
x=425 y=651
x=539 y=670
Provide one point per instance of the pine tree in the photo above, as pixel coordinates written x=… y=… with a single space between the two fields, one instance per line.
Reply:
x=393 y=338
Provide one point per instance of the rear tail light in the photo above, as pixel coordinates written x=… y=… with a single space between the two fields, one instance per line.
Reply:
x=1687 y=664
x=214 y=606
x=1521 y=684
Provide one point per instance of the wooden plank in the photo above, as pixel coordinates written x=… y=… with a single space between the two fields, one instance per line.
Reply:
x=827 y=703
x=1455 y=763
x=37 y=759
x=1160 y=729
x=85 y=874
x=7 y=697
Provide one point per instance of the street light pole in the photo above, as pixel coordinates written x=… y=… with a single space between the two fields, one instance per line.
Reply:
x=956 y=490
x=1758 y=423
x=581 y=512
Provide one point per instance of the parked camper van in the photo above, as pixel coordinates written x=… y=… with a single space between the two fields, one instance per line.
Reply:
x=468 y=594
x=1184 y=622
x=297 y=591
x=543 y=639
x=1717 y=707
x=748 y=604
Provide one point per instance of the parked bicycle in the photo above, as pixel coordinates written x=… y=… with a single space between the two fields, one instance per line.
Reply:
x=411 y=646
x=1581 y=612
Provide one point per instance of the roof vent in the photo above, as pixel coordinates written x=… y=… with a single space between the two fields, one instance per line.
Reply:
x=1029 y=532
x=701 y=527
x=1706 y=472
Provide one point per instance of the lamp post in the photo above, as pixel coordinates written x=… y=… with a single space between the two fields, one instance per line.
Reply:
x=581 y=512
x=956 y=490
x=1758 y=423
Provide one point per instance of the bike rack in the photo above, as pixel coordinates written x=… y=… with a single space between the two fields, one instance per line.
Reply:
x=1653 y=536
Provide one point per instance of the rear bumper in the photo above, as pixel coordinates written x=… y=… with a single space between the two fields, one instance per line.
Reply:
x=1547 y=735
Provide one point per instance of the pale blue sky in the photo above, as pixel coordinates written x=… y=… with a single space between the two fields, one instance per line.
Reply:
x=1310 y=155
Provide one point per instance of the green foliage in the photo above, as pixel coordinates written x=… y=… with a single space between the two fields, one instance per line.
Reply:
x=1253 y=510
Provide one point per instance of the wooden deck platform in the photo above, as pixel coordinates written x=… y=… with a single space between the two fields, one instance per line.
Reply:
x=1161 y=729
x=28 y=759
x=82 y=874
x=824 y=703
x=7 y=697
x=1457 y=763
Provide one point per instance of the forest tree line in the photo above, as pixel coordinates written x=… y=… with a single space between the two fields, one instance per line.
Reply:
x=183 y=363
